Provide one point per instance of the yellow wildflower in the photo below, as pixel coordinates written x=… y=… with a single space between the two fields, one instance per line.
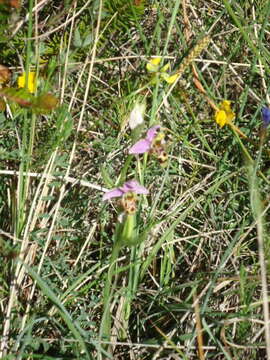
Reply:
x=31 y=81
x=153 y=67
x=153 y=64
x=169 y=78
x=224 y=115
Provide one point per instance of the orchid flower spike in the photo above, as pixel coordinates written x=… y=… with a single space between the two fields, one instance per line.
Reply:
x=127 y=192
x=153 y=143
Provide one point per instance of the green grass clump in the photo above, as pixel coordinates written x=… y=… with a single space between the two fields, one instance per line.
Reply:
x=181 y=269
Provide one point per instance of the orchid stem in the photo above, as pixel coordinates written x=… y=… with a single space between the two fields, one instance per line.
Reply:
x=105 y=328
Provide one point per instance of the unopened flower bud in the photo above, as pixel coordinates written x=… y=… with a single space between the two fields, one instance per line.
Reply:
x=136 y=115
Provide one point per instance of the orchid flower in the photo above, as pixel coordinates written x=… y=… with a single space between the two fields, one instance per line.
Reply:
x=224 y=115
x=127 y=192
x=153 y=67
x=153 y=143
x=129 y=186
x=144 y=145
x=265 y=117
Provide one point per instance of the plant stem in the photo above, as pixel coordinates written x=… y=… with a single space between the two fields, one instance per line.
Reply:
x=105 y=327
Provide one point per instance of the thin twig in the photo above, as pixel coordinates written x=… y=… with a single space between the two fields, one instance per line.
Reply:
x=66 y=179
x=198 y=327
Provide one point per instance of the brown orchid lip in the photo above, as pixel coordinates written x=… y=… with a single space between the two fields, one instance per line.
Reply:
x=128 y=202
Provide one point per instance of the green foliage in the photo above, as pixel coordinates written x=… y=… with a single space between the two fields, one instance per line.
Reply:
x=7 y=16
x=71 y=272
x=82 y=42
x=126 y=13
x=54 y=134
x=122 y=15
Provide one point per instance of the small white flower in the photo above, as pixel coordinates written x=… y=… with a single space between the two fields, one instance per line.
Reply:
x=136 y=116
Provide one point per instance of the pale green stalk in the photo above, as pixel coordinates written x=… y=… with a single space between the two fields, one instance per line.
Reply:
x=105 y=327
x=25 y=162
x=257 y=207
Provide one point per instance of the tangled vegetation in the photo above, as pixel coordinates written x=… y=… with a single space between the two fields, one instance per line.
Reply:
x=134 y=179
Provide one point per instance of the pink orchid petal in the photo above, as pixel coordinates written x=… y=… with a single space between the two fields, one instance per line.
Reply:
x=112 y=194
x=140 y=147
x=141 y=190
x=152 y=132
x=134 y=186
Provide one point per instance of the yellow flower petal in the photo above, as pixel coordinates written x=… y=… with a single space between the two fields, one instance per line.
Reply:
x=21 y=81
x=152 y=65
x=155 y=61
x=171 y=79
x=225 y=105
x=225 y=114
x=31 y=83
x=221 y=118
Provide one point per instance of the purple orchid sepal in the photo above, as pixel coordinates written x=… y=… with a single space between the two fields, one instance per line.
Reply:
x=140 y=147
x=135 y=187
x=130 y=186
x=152 y=132
x=112 y=194
x=144 y=145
